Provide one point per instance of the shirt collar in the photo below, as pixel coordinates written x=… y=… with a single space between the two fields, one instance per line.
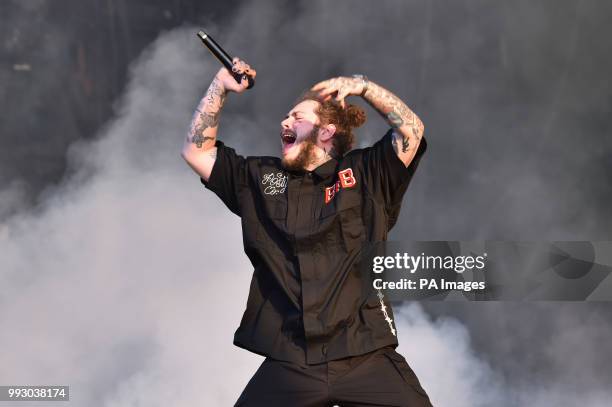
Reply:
x=323 y=171
x=326 y=169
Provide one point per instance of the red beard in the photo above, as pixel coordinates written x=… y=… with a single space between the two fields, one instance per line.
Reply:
x=306 y=156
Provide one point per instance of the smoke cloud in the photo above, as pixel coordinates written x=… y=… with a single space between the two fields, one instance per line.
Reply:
x=127 y=282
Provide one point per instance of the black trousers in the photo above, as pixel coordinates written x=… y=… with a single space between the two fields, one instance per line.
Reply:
x=379 y=378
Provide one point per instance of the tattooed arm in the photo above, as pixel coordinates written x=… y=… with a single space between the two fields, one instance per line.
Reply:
x=408 y=127
x=199 y=149
x=203 y=129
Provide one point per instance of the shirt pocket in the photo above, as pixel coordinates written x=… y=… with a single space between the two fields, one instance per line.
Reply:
x=273 y=208
x=272 y=221
x=351 y=220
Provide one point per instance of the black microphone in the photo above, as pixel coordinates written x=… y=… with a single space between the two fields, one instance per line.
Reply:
x=223 y=57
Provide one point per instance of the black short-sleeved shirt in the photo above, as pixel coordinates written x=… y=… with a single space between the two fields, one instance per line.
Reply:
x=303 y=233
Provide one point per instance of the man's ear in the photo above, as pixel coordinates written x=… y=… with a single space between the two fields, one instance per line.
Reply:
x=327 y=132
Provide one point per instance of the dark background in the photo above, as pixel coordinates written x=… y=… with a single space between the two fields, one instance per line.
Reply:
x=64 y=63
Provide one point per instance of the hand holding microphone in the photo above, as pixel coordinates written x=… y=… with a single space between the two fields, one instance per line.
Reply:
x=239 y=78
x=236 y=75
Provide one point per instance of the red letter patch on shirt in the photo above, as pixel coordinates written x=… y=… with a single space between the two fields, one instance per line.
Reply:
x=329 y=194
x=345 y=180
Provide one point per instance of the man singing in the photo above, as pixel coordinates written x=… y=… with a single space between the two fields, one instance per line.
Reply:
x=305 y=217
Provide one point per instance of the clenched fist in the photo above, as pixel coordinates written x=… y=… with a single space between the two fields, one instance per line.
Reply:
x=227 y=78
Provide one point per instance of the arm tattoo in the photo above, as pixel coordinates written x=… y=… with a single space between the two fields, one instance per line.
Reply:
x=206 y=120
x=198 y=140
x=405 y=142
x=207 y=114
x=395 y=111
x=215 y=91
x=394 y=119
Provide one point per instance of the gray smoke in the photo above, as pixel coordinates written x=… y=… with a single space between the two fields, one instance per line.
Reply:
x=127 y=282
x=129 y=277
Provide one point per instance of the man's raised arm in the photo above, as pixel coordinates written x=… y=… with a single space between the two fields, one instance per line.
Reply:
x=199 y=149
x=408 y=127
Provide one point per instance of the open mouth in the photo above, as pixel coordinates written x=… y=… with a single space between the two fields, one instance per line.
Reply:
x=288 y=138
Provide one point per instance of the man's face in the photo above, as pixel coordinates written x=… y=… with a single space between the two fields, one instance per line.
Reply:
x=299 y=134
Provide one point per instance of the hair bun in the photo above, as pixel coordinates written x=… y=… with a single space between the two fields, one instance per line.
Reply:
x=355 y=115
